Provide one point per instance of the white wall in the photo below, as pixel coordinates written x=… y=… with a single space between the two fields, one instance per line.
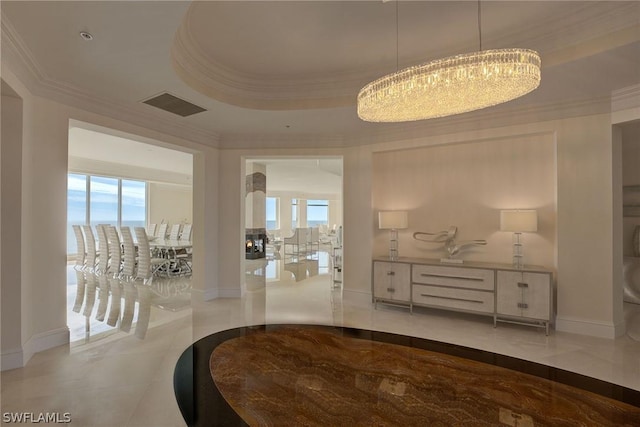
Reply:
x=10 y=230
x=466 y=185
x=169 y=203
x=44 y=187
x=585 y=228
x=630 y=176
x=586 y=291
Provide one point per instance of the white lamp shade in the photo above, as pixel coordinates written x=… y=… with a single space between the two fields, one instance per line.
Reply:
x=519 y=220
x=393 y=220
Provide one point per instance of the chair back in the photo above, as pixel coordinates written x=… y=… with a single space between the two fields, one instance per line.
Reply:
x=81 y=253
x=90 y=247
x=144 y=254
x=174 y=234
x=186 y=232
x=151 y=229
x=103 y=248
x=129 y=263
x=162 y=230
x=115 y=250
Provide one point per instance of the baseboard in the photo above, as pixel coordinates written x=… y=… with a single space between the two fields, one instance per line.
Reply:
x=585 y=327
x=11 y=359
x=198 y=295
x=229 y=293
x=44 y=341
x=356 y=297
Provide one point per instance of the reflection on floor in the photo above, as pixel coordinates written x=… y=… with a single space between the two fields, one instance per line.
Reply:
x=111 y=377
x=100 y=305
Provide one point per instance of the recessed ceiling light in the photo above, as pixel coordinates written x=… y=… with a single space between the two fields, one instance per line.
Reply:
x=86 y=36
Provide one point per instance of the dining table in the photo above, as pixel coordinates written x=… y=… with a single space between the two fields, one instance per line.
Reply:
x=177 y=252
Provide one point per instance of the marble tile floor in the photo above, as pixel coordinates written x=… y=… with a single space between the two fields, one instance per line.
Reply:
x=114 y=378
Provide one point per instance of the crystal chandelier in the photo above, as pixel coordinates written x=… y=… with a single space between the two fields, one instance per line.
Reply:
x=452 y=85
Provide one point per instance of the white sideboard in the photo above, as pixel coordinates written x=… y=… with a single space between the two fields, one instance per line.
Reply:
x=392 y=282
x=522 y=296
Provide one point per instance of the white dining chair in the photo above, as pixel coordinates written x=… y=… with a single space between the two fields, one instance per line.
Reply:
x=103 y=248
x=174 y=234
x=147 y=265
x=81 y=252
x=151 y=229
x=129 y=263
x=90 y=247
x=186 y=232
x=115 y=251
x=161 y=232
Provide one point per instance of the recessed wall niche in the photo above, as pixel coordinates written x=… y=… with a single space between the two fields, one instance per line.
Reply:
x=466 y=185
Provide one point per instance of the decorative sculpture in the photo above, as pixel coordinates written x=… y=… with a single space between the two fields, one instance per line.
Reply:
x=448 y=237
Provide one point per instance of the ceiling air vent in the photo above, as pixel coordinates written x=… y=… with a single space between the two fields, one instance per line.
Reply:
x=173 y=104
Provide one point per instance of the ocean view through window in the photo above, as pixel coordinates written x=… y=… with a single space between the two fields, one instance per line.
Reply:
x=317 y=212
x=272 y=209
x=104 y=200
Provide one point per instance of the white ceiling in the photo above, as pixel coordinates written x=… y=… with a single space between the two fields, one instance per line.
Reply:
x=88 y=144
x=302 y=176
x=287 y=73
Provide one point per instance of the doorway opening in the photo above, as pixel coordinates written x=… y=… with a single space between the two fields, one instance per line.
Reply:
x=629 y=134
x=129 y=228
x=297 y=202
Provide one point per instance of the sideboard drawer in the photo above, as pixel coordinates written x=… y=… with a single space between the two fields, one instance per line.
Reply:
x=466 y=278
x=456 y=298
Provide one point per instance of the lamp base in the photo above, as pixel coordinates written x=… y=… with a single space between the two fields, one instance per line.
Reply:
x=393 y=244
x=518 y=251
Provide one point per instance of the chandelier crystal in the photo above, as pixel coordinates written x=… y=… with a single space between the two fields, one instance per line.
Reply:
x=452 y=85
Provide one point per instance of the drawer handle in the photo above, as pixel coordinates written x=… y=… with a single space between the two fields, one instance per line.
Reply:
x=448 y=276
x=452 y=298
x=391 y=273
x=391 y=290
x=523 y=285
x=523 y=305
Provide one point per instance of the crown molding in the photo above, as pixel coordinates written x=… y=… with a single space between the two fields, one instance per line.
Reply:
x=626 y=98
x=16 y=56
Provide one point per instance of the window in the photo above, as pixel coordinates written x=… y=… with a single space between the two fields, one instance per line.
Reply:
x=101 y=200
x=76 y=207
x=272 y=213
x=317 y=212
x=133 y=204
x=294 y=213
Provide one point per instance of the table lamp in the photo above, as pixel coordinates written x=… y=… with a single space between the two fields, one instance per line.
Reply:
x=518 y=221
x=393 y=221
